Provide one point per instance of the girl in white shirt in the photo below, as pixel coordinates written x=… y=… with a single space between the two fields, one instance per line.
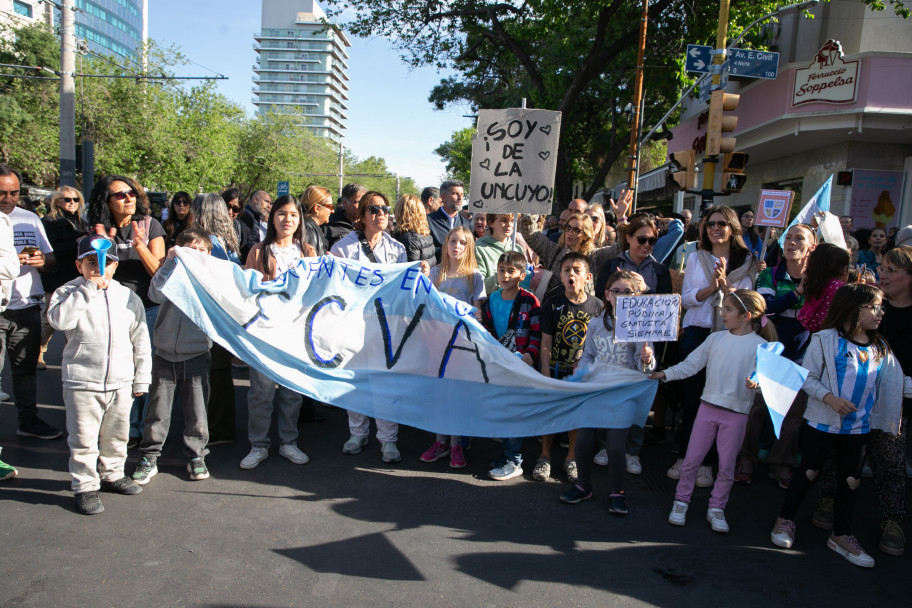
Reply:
x=725 y=402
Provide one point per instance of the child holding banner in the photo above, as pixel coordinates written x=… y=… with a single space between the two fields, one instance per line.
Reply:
x=511 y=315
x=854 y=386
x=602 y=349
x=457 y=275
x=721 y=420
x=279 y=251
x=564 y=324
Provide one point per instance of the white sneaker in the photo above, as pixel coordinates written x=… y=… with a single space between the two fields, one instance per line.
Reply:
x=254 y=458
x=633 y=465
x=293 y=453
x=848 y=547
x=354 y=445
x=675 y=471
x=705 y=477
x=390 y=452
x=678 y=515
x=716 y=518
x=601 y=458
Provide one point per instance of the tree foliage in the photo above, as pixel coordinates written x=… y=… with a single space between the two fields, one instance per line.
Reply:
x=457 y=153
x=166 y=134
x=575 y=56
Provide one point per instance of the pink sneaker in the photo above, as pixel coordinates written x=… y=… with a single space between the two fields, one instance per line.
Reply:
x=436 y=452
x=457 y=458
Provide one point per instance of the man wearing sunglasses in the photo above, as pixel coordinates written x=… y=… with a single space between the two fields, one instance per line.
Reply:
x=342 y=220
x=20 y=323
x=447 y=217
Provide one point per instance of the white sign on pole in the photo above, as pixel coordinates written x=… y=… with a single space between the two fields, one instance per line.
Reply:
x=651 y=317
x=514 y=158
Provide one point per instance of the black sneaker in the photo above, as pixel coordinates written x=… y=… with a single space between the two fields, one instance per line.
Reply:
x=123 y=485
x=88 y=503
x=617 y=503
x=576 y=494
x=146 y=469
x=39 y=429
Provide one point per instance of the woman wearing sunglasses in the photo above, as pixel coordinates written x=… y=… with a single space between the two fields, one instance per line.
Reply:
x=370 y=242
x=638 y=237
x=119 y=209
x=179 y=218
x=64 y=226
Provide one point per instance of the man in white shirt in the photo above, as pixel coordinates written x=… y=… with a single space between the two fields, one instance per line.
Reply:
x=20 y=323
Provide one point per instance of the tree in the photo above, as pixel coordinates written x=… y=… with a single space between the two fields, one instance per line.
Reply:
x=457 y=152
x=575 y=56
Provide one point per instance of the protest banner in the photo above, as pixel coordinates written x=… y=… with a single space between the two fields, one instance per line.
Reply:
x=647 y=318
x=382 y=341
x=514 y=158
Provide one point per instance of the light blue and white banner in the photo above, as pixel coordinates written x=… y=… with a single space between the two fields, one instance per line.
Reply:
x=819 y=202
x=780 y=380
x=382 y=341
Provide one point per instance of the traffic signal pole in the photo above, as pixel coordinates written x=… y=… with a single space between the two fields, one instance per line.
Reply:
x=633 y=167
x=709 y=162
x=67 y=93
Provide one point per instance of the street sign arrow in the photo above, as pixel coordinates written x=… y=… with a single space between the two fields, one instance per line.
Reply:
x=697 y=58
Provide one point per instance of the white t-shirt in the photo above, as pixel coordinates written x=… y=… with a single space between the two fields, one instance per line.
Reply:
x=28 y=231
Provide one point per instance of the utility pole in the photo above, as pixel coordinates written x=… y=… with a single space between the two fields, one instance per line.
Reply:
x=341 y=169
x=709 y=162
x=633 y=167
x=67 y=93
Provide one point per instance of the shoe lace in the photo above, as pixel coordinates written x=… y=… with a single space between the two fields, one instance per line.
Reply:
x=786 y=526
x=853 y=546
x=894 y=529
x=679 y=508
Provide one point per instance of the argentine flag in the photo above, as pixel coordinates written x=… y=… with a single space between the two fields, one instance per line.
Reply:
x=780 y=380
x=819 y=202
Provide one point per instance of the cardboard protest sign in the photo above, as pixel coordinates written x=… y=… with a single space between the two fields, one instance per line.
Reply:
x=651 y=317
x=514 y=158
x=774 y=208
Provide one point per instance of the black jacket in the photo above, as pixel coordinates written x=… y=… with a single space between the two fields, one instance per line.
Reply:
x=313 y=236
x=439 y=223
x=337 y=227
x=418 y=246
x=63 y=234
x=246 y=237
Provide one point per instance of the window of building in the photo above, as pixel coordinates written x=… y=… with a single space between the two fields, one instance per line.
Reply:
x=21 y=8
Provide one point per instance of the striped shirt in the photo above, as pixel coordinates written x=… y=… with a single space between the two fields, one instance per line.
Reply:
x=856 y=372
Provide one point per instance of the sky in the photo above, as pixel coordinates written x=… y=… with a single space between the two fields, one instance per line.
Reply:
x=388 y=116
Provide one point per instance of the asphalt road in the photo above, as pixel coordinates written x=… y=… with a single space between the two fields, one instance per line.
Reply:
x=352 y=531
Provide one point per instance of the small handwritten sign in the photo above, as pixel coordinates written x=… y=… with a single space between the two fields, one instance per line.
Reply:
x=652 y=317
x=514 y=159
x=774 y=208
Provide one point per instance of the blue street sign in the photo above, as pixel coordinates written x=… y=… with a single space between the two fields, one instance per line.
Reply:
x=706 y=87
x=754 y=64
x=281 y=189
x=698 y=58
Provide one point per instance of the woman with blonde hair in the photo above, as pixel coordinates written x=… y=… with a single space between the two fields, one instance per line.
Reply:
x=597 y=215
x=317 y=203
x=412 y=229
x=64 y=227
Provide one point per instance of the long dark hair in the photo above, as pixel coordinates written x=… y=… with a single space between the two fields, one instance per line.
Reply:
x=272 y=234
x=826 y=262
x=845 y=309
x=738 y=251
x=99 y=213
x=635 y=279
x=170 y=224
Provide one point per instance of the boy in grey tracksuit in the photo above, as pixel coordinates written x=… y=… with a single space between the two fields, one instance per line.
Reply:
x=180 y=366
x=106 y=362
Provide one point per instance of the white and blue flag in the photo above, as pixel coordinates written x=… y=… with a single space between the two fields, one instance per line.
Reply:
x=819 y=202
x=382 y=341
x=780 y=380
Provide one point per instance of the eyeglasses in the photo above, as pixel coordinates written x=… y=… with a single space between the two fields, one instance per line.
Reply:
x=234 y=209
x=573 y=230
x=890 y=270
x=377 y=209
x=181 y=203
x=622 y=292
x=722 y=224
x=119 y=196
x=877 y=309
x=642 y=240
x=67 y=199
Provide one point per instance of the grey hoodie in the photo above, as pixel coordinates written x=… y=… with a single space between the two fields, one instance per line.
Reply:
x=176 y=337
x=107 y=340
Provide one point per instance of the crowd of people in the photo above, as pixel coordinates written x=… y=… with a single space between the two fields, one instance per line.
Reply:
x=545 y=287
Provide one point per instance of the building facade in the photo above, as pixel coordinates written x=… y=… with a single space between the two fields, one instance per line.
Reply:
x=113 y=27
x=302 y=66
x=17 y=13
x=840 y=106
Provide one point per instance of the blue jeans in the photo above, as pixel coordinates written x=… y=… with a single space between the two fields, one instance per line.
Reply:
x=138 y=411
x=512 y=447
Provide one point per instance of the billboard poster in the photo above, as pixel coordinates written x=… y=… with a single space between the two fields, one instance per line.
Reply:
x=876 y=196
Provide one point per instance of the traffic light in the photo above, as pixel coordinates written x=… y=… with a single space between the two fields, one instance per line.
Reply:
x=719 y=103
x=682 y=168
x=733 y=178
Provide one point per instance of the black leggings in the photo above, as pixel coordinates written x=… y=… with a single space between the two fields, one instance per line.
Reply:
x=849 y=455
x=587 y=441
